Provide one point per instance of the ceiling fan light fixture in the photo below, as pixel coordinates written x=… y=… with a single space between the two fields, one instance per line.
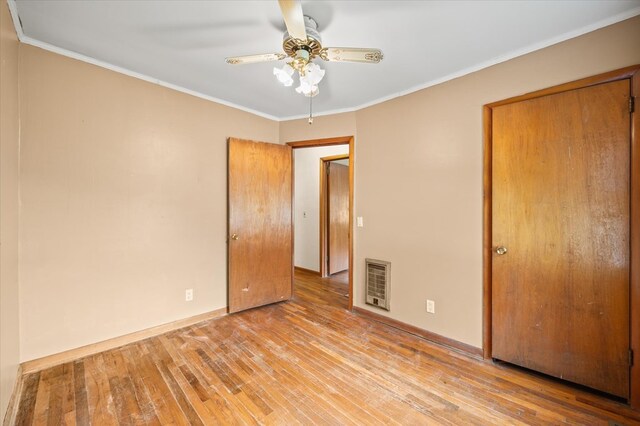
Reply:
x=307 y=89
x=284 y=74
x=300 y=61
x=313 y=74
x=309 y=80
x=301 y=44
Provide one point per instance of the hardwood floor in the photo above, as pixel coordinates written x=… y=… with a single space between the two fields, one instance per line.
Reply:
x=307 y=361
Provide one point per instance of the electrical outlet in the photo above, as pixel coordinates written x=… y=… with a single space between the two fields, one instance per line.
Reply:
x=188 y=295
x=431 y=306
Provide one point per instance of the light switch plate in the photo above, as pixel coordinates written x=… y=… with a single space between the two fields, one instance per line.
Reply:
x=431 y=306
x=360 y=222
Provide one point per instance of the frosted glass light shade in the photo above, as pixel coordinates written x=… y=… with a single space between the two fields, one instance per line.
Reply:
x=309 y=90
x=284 y=74
x=313 y=74
x=309 y=81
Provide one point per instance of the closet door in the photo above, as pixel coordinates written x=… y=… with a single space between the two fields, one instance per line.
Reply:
x=560 y=223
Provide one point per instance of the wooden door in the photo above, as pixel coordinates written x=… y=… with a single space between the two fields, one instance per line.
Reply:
x=260 y=224
x=560 y=293
x=338 y=217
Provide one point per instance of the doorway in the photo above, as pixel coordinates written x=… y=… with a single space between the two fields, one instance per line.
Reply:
x=316 y=235
x=334 y=214
x=561 y=240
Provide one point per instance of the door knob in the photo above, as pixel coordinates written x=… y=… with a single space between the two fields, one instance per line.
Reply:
x=501 y=250
x=234 y=236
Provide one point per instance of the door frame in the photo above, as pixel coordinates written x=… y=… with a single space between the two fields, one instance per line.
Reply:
x=324 y=213
x=340 y=140
x=633 y=75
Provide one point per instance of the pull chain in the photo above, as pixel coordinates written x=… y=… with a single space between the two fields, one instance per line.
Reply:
x=310 y=110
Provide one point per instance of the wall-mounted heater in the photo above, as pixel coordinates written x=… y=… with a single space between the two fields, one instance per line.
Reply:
x=378 y=279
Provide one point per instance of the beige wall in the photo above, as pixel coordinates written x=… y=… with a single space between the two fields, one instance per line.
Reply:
x=123 y=189
x=422 y=155
x=326 y=126
x=307 y=203
x=9 y=162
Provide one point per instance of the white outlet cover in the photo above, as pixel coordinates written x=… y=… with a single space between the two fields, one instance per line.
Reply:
x=188 y=295
x=360 y=222
x=431 y=306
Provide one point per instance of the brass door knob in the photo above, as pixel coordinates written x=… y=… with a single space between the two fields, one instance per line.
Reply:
x=234 y=236
x=501 y=250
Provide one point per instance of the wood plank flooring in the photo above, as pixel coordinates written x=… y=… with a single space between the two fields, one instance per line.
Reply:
x=306 y=361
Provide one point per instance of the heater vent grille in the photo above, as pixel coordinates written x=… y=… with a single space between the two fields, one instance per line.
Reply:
x=378 y=273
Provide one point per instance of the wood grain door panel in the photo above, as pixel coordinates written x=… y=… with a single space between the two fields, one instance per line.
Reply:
x=260 y=188
x=560 y=295
x=338 y=217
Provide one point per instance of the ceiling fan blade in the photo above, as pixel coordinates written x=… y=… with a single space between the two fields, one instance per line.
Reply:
x=351 y=54
x=293 y=18
x=252 y=59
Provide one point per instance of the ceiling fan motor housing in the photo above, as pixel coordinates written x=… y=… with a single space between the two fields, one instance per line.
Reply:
x=313 y=44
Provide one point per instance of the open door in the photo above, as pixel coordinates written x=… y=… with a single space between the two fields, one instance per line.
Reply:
x=260 y=224
x=338 y=217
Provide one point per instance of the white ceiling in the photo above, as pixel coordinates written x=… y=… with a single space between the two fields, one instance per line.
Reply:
x=183 y=44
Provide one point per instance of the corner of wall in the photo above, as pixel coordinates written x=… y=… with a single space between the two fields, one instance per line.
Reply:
x=9 y=206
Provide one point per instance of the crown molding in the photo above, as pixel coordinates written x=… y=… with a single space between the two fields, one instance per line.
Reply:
x=486 y=64
x=13 y=10
x=84 y=58
x=482 y=65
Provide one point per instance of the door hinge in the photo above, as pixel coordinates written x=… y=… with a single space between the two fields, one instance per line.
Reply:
x=632 y=104
x=328 y=166
x=630 y=357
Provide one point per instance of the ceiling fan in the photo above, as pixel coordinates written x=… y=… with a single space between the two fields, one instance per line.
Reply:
x=302 y=44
